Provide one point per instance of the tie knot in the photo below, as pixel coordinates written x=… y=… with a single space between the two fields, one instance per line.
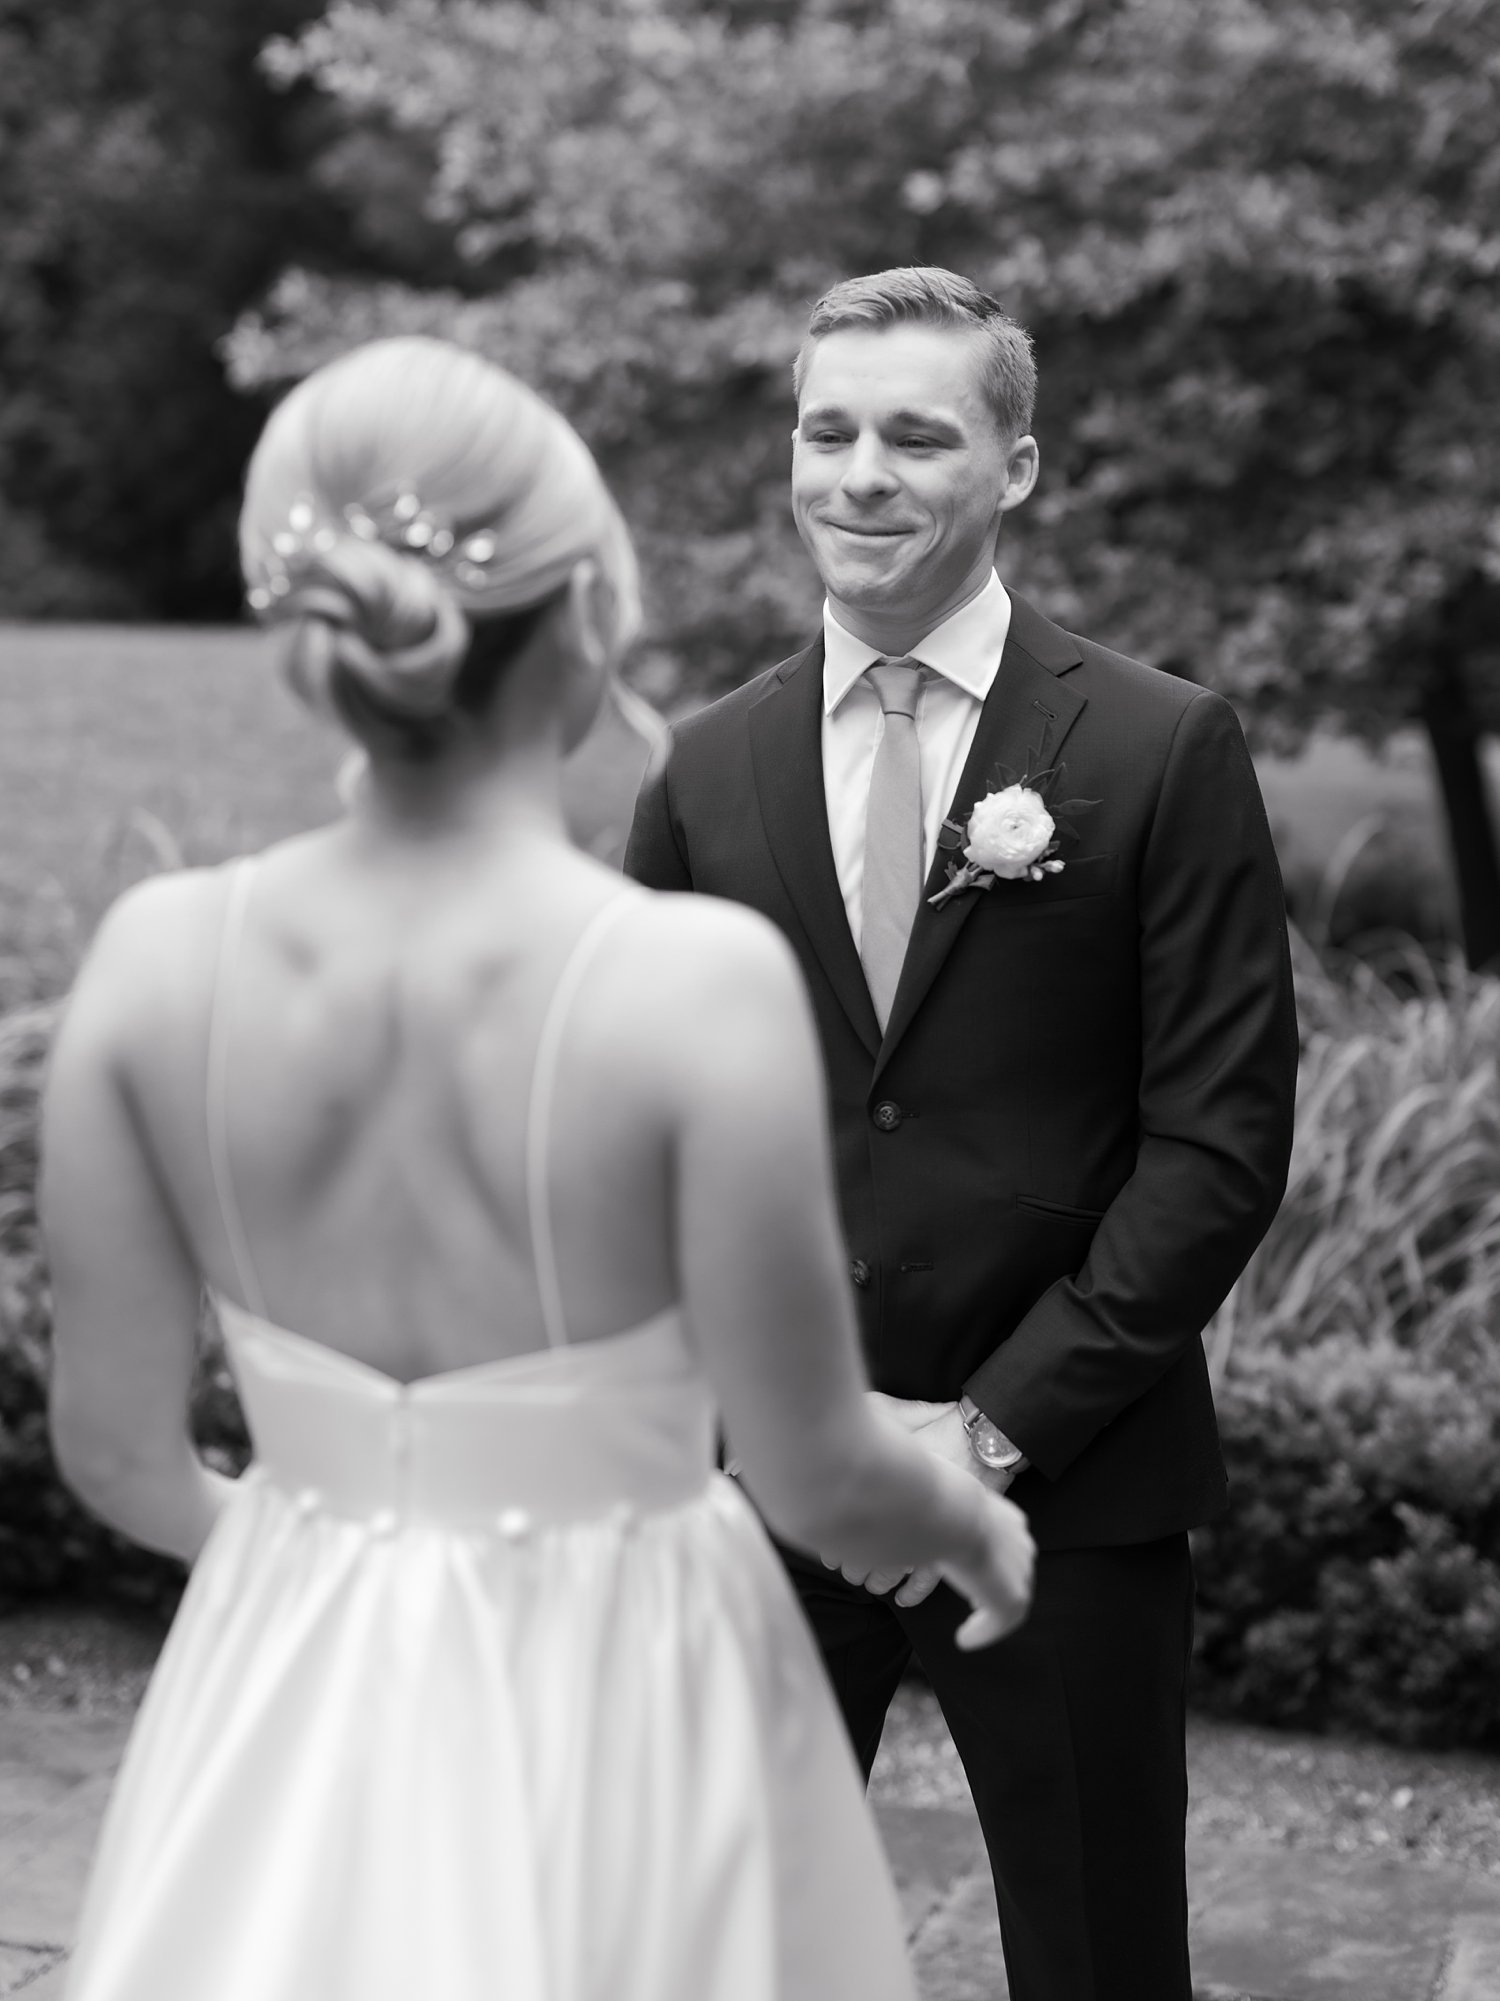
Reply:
x=897 y=683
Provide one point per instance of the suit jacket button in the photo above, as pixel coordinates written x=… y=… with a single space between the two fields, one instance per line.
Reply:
x=859 y=1271
x=887 y=1116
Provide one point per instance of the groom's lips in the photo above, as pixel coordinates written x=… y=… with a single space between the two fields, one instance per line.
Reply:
x=878 y=534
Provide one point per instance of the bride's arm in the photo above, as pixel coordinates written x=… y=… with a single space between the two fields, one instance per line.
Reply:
x=766 y=1289
x=125 y=1294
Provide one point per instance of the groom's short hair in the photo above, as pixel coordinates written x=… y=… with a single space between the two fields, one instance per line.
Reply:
x=926 y=295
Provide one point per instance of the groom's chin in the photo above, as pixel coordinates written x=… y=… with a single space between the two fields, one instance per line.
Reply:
x=862 y=587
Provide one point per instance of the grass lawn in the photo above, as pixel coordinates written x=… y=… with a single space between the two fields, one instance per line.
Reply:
x=124 y=750
x=1371 y=822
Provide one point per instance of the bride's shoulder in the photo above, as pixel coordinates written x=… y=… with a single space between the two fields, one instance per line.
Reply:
x=708 y=968
x=167 y=910
x=710 y=938
x=714 y=1014
x=156 y=943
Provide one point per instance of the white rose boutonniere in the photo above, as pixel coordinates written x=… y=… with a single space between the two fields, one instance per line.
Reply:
x=1012 y=834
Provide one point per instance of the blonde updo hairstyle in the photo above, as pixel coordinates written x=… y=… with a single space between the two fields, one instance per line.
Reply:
x=411 y=512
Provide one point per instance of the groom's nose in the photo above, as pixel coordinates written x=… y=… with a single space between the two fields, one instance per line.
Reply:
x=867 y=470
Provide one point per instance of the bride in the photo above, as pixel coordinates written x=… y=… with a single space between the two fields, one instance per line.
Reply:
x=509 y=1182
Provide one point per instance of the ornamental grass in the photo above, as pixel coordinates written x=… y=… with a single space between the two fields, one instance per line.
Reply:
x=1354 y=1582
x=1390 y=1226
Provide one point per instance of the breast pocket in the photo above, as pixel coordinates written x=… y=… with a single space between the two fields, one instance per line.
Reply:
x=1090 y=875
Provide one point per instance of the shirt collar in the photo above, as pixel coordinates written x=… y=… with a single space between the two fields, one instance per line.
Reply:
x=965 y=649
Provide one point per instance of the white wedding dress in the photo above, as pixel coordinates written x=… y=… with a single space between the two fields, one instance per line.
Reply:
x=486 y=1687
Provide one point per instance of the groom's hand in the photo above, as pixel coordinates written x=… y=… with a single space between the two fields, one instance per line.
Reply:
x=940 y=1427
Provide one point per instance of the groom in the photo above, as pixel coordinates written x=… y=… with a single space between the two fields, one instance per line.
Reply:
x=1061 y=1094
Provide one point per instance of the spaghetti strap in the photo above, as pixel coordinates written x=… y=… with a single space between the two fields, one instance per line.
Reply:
x=539 y=1113
x=218 y=1080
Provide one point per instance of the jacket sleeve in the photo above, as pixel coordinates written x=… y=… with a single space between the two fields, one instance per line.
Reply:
x=656 y=852
x=1217 y=1090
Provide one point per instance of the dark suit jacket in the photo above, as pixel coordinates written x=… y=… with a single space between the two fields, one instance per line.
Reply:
x=1075 y=1130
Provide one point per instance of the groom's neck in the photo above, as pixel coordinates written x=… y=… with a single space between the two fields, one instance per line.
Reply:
x=895 y=629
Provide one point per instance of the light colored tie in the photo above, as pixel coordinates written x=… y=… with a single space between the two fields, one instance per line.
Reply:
x=893 y=833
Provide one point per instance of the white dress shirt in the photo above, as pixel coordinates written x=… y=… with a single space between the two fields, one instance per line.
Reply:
x=962 y=656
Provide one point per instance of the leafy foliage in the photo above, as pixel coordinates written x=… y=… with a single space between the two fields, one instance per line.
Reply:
x=1257 y=242
x=152 y=184
x=1356 y=1579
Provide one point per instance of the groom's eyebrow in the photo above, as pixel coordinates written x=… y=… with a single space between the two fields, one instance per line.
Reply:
x=924 y=420
x=896 y=420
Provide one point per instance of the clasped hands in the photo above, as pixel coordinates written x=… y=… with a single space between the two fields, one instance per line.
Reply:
x=940 y=1428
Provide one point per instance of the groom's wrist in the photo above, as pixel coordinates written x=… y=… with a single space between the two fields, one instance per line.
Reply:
x=988 y=1443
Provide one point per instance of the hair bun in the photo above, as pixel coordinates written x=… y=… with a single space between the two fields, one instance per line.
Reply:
x=383 y=617
x=401 y=490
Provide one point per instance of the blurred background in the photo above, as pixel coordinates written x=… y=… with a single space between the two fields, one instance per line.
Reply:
x=1258 y=245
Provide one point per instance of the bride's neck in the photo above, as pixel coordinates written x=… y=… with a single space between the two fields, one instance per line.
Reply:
x=464 y=798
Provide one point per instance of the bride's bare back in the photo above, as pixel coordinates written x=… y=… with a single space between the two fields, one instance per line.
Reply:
x=379 y=1016
x=378 y=1028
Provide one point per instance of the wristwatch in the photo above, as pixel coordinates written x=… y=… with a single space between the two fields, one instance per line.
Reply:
x=987 y=1441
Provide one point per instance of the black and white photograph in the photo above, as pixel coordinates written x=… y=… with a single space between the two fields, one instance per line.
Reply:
x=750 y=1000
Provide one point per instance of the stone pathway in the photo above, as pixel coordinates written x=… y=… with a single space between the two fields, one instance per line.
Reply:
x=55 y=1773
x=1269 y=1923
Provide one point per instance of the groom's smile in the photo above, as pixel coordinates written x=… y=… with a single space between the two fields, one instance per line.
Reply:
x=900 y=474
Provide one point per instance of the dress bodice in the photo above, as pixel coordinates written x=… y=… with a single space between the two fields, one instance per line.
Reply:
x=554 y=1436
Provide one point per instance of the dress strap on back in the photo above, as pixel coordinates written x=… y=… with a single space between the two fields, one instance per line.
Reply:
x=539 y=1112
x=215 y=1110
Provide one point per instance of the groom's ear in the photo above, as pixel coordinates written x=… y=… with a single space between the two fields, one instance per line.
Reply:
x=1023 y=463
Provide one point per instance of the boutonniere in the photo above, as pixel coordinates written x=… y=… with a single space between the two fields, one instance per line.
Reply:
x=1013 y=834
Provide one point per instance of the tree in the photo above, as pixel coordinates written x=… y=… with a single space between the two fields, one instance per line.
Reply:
x=1257 y=241
x=152 y=187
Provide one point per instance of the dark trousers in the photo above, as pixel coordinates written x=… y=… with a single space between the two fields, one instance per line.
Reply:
x=1071 y=1732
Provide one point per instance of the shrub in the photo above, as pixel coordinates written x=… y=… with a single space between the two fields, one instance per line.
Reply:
x=1356 y=1578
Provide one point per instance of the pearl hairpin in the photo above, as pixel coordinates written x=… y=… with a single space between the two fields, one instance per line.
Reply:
x=406 y=525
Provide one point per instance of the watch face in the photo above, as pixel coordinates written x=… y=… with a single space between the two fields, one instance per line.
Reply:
x=992 y=1450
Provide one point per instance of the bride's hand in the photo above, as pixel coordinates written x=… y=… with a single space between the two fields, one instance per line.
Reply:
x=996 y=1577
x=940 y=1428
x=997 y=1580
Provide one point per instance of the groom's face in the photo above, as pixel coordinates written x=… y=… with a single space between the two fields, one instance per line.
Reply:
x=899 y=472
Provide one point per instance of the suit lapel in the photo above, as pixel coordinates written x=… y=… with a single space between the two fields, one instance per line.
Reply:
x=1025 y=719
x=786 y=747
